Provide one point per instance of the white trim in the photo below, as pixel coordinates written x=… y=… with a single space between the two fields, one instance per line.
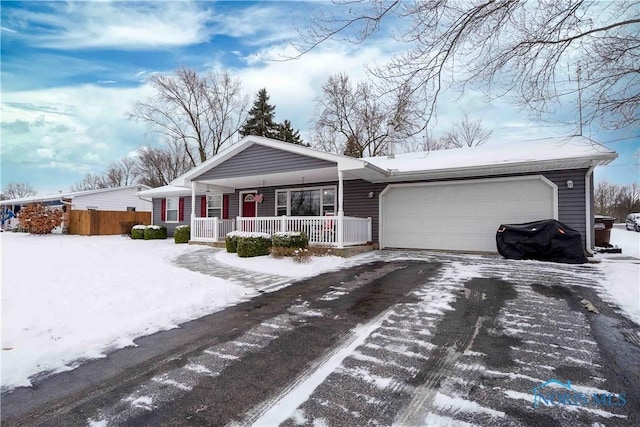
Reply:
x=166 y=210
x=389 y=187
x=241 y=201
x=288 y=190
x=587 y=208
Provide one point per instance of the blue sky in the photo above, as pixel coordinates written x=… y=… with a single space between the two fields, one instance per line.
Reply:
x=71 y=70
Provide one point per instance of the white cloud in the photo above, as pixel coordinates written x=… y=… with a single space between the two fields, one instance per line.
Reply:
x=45 y=153
x=137 y=25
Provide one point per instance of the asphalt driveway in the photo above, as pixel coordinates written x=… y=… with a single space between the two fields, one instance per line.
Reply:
x=409 y=338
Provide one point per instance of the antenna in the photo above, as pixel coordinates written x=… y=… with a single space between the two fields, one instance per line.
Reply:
x=578 y=70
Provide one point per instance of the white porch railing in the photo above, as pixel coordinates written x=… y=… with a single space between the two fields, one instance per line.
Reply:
x=322 y=230
x=210 y=229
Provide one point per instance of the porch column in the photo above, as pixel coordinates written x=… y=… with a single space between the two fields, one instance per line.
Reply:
x=193 y=205
x=340 y=241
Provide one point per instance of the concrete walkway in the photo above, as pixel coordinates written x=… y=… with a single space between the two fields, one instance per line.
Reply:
x=203 y=261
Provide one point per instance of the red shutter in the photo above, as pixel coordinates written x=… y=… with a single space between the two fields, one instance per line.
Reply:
x=163 y=210
x=225 y=206
x=203 y=206
x=181 y=209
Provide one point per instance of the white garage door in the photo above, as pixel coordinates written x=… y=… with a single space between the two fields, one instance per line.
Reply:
x=462 y=215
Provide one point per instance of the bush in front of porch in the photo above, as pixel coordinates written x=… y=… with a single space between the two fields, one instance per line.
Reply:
x=248 y=244
x=290 y=239
x=182 y=234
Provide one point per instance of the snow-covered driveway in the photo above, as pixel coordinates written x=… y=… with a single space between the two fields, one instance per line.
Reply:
x=412 y=338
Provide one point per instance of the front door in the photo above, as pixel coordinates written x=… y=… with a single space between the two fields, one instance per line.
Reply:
x=249 y=210
x=249 y=205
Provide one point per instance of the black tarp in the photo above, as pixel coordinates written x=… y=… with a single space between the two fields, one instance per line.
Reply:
x=547 y=240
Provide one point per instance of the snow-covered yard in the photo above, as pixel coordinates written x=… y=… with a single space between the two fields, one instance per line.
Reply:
x=69 y=298
x=622 y=283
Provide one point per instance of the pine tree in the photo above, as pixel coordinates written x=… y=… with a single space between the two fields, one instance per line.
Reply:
x=287 y=134
x=351 y=149
x=260 y=121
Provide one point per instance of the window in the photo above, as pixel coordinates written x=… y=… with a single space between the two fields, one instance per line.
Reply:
x=306 y=201
x=281 y=203
x=131 y=208
x=172 y=209
x=214 y=206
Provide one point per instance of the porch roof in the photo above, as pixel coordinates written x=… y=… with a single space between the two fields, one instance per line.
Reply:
x=258 y=162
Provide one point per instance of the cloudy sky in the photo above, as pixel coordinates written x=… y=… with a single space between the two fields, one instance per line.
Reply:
x=71 y=70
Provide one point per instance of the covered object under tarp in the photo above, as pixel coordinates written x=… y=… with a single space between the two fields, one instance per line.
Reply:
x=547 y=240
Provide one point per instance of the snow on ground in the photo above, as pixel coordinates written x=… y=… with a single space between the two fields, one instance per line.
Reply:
x=285 y=266
x=622 y=276
x=71 y=298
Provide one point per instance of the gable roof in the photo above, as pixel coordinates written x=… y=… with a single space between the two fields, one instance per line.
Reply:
x=342 y=162
x=67 y=195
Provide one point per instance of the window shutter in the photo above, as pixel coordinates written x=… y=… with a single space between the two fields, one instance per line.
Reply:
x=181 y=209
x=203 y=206
x=225 y=206
x=163 y=210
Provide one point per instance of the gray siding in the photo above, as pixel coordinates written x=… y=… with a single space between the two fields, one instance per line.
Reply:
x=258 y=160
x=571 y=202
x=171 y=226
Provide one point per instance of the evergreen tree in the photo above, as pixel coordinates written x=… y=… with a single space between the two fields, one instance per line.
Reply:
x=260 y=121
x=351 y=149
x=287 y=134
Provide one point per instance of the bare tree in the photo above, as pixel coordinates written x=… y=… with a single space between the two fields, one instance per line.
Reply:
x=90 y=181
x=17 y=190
x=202 y=112
x=605 y=197
x=121 y=172
x=360 y=121
x=466 y=133
x=504 y=47
x=157 y=167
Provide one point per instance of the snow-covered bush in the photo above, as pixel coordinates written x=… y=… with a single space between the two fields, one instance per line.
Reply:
x=231 y=240
x=257 y=244
x=155 y=232
x=37 y=218
x=290 y=239
x=182 y=234
x=137 y=231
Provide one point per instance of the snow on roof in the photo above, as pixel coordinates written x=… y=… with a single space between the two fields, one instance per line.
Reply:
x=540 y=150
x=66 y=195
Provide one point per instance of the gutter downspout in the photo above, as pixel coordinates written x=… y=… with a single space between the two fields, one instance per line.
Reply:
x=588 y=202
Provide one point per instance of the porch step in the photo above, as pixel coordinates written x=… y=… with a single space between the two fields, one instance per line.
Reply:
x=210 y=244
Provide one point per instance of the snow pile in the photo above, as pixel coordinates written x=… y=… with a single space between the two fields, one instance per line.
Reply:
x=284 y=266
x=66 y=298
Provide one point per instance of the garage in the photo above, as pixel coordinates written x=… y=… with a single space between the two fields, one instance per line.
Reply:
x=462 y=215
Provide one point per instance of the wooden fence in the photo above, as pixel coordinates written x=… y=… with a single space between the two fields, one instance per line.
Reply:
x=100 y=223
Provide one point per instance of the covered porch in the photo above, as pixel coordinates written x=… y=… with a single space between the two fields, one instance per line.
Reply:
x=271 y=187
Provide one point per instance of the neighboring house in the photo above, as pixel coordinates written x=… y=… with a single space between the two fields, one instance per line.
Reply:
x=103 y=199
x=447 y=200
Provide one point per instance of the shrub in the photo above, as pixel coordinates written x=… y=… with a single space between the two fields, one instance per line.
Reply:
x=182 y=234
x=155 y=232
x=290 y=239
x=253 y=244
x=37 y=218
x=137 y=231
x=231 y=243
x=300 y=254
